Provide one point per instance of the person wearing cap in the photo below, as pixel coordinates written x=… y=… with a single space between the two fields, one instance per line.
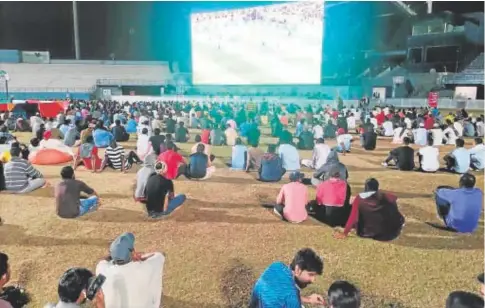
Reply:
x=292 y=200
x=374 y=214
x=319 y=155
x=332 y=205
x=403 y=156
x=20 y=176
x=421 y=135
x=429 y=157
x=73 y=287
x=133 y=279
x=160 y=194
x=344 y=141
x=460 y=208
x=69 y=202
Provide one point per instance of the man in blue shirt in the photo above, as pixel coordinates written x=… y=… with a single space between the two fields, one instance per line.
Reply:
x=198 y=164
x=460 y=208
x=458 y=161
x=279 y=285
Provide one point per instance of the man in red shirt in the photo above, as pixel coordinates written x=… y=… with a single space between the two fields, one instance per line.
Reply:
x=205 y=136
x=174 y=161
x=428 y=121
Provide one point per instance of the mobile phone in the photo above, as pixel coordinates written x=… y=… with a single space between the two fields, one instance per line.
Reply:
x=94 y=285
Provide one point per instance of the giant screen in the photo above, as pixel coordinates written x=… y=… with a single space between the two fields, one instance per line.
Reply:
x=271 y=44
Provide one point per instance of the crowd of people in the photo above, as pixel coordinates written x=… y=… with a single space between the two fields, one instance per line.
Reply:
x=88 y=126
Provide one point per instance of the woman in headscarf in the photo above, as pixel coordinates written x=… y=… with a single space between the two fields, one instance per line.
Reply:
x=88 y=156
x=333 y=163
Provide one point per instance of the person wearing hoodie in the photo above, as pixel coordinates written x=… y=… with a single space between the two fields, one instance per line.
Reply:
x=323 y=173
x=271 y=169
x=374 y=214
x=142 y=177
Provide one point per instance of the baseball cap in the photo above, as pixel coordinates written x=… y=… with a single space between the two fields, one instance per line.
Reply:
x=296 y=176
x=122 y=246
x=47 y=134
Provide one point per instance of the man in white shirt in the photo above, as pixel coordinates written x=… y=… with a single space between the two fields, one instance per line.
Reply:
x=480 y=127
x=437 y=134
x=429 y=157
x=351 y=122
x=317 y=131
x=477 y=155
x=421 y=136
x=143 y=146
x=344 y=141
x=458 y=128
x=319 y=156
x=388 y=128
x=449 y=133
x=132 y=279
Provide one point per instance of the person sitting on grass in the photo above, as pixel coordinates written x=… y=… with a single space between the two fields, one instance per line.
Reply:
x=156 y=141
x=319 y=156
x=368 y=140
x=344 y=141
x=458 y=161
x=231 y=135
x=143 y=147
x=69 y=203
x=374 y=215
x=402 y=156
x=477 y=155
x=73 y=287
x=239 y=155
x=460 y=208
x=116 y=158
x=160 y=194
x=254 y=157
x=330 y=130
x=332 y=205
x=462 y=299
x=288 y=153
x=217 y=136
x=182 y=133
x=428 y=157
x=343 y=294
x=174 y=161
x=207 y=148
x=119 y=132
x=280 y=284
x=51 y=143
x=199 y=165
x=87 y=155
x=133 y=279
x=292 y=200
x=142 y=177
x=20 y=176
x=305 y=140
x=271 y=169
x=332 y=163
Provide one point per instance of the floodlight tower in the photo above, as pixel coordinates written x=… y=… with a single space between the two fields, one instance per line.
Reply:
x=430 y=6
x=77 y=48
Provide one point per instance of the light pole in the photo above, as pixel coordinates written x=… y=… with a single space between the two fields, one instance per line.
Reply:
x=6 y=78
x=77 y=48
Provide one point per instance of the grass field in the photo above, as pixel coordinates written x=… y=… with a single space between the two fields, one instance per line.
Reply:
x=219 y=242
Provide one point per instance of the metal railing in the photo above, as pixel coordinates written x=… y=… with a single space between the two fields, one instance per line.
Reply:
x=130 y=82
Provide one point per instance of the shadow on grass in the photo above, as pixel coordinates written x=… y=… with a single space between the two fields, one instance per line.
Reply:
x=380 y=302
x=170 y=302
x=189 y=214
x=237 y=282
x=117 y=215
x=15 y=235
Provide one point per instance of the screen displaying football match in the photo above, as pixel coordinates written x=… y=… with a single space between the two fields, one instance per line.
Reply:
x=267 y=45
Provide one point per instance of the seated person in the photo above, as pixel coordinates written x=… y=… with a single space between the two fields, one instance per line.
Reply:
x=142 y=176
x=116 y=158
x=332 y=163
x=421 y=135
x=289 y=155
x=319 y=155
x=20 y=176
x=217 y=136
x=182 y=133
x=71 y=135
x=160 y=195
x=477 y=155
x=459 y=160
x=86 y=132
x=305 y=140
x=119 y=132
x=231 y=135
x=73 y=287
x=271 y=166
x=156 y=141
x=133 y=279
x=34 y=145
x=87 y=155
x=69 y=203
x=143 y=147
x=429 y=157
x=207 y=148
x=374 y=214
x=332 y=205
x=402 y=156
x=50 y=143
x=287 y=280
x=400 y=133
x=437 y=134
x=343 y=294
x=330 y=130
x=462 y=299
x=205 y=136
x=131 y=126
x=175 y=163
x=254 y=156
x=292 y=200
x=239 y=155
x=460 y=208
x=344 y=141
x=199 y=165
x=369 y=140
x=387 y=129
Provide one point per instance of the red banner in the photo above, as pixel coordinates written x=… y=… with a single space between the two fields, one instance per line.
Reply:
x=433 y=99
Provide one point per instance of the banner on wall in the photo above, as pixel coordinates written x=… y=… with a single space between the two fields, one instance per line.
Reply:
x=433 y=99
x=36 y=57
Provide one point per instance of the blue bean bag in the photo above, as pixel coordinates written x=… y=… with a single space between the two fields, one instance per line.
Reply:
x=131 y=126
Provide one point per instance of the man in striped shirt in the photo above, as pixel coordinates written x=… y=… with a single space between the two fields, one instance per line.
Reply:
x=279 y=285
x=116 y=158
x=20 y=176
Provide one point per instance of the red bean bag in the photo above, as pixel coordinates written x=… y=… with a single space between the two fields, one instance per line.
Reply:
x=49 y=157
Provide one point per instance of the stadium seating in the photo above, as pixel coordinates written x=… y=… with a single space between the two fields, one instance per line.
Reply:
x=72 y=76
